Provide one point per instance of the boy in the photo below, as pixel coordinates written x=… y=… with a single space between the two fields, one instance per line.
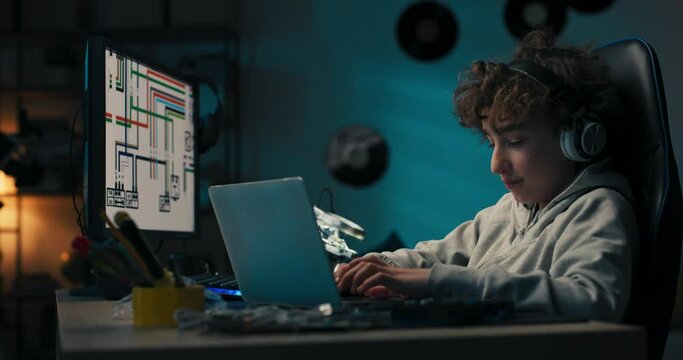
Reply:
x=562 y=240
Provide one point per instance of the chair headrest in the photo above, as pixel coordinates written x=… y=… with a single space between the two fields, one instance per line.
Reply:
x=639 y=141
x=640 y=147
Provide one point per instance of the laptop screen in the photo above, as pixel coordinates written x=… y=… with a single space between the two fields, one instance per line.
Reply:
x=272 y=239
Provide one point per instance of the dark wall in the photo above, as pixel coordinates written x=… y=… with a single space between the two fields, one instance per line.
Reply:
x=310 y=68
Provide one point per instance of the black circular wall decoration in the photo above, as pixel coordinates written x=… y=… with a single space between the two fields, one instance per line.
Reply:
x=427 y=30
x=591 y=6
x=357 y=155
x=522 y=16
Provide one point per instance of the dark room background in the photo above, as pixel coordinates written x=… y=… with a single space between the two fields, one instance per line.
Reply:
x=293 y=74
x=311 y=68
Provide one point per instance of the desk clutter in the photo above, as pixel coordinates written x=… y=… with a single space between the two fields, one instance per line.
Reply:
x=128 y=269
x=125 y=259
x=211 y=303
x=239 y=317
x=274 y=319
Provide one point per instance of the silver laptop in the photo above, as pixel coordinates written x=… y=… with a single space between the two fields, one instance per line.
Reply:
x=275 y=249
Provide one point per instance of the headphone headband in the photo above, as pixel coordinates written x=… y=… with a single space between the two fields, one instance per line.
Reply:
x=586 y=138
x=558 y=88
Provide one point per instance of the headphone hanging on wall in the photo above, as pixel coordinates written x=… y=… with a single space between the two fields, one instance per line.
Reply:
x=209 y=126
x=209 y=129
x=586 y=138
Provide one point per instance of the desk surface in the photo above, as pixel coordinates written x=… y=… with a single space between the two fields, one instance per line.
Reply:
x=87 y=330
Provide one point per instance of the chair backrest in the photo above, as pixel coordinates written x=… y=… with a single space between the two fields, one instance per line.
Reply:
x=640 y=147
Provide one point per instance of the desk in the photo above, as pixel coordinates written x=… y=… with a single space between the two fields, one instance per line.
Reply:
x=87 y=331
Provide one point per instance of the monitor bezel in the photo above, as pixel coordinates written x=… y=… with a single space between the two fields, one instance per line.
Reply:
x=94 y=189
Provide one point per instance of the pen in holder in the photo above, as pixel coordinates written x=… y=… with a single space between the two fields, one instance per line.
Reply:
x=154 y=306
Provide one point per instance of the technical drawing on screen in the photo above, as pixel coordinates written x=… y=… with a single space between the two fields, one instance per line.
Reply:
x=140 y=151
x=149 y=148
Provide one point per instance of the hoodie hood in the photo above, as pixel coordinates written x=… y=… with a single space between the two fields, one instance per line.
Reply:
x=597 y=175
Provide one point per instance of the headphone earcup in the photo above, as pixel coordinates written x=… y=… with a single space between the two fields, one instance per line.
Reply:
x=568 y=145
x=584 y=141
x=593 y=139
x=209 y=129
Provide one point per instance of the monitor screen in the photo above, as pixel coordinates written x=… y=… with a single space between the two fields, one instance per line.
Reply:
x=141 y=152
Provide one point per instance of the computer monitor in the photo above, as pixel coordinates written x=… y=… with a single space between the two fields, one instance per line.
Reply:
x=141 y=125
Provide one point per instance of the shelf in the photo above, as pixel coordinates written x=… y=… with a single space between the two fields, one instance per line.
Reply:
x=171 y=34
x=42 y=92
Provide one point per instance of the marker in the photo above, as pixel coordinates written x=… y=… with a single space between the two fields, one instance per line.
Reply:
x=129 y=229
x=134 y=255
x=175 y=268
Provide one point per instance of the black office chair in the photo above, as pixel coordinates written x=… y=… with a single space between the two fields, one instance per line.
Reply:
x=640 y=147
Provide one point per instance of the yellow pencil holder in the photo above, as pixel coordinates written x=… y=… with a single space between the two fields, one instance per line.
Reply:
x=154 y=306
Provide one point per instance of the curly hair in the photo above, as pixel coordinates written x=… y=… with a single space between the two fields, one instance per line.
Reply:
x=490 y=90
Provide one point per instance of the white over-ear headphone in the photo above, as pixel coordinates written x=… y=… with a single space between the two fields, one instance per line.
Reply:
x=586 y=138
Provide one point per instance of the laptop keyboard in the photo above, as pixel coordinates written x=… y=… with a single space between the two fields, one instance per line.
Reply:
x=224 y=285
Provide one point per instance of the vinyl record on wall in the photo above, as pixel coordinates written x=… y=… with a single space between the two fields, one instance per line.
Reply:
x=357 y=155
x=522 y=16
x=592 y=6
x=427 y=30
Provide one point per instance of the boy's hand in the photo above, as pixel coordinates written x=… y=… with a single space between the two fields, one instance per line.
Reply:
x=372 y=277
x=345 y=273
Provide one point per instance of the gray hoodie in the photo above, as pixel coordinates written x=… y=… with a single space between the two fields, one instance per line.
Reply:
x=573 y=257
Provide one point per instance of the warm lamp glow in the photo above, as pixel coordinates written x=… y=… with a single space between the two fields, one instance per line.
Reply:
x=7 y=185
x=9 y=125
x=65 y=256
x=47 y=228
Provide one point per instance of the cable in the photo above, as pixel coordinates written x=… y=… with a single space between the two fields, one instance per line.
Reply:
x=161 y=243
x=73 y=176
x=329 y=192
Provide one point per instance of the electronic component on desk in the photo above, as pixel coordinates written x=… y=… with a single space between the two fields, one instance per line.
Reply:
x=335 y=245
x=340 y=223
x=332 y=227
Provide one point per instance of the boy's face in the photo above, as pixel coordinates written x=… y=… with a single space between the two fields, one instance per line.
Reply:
x=529 y=161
